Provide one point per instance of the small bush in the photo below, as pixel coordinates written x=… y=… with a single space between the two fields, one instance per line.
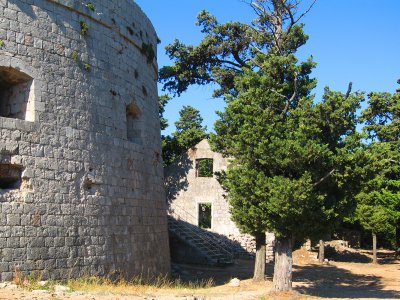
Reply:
x=86 y=67
x=90 y=5
x=147 y=49
x=75 y=55
x=84 y=28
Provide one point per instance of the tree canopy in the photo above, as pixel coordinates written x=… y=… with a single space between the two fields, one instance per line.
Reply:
x=378 y=203
x=162 y=102
x=189 y=131
x=296 y=163
x=230 y=48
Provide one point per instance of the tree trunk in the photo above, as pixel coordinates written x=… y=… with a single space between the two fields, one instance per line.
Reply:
x=398 y=233
x=283 y=265
x=374 y=256
x=397 y=252
x=259 y=266
x=321 y=252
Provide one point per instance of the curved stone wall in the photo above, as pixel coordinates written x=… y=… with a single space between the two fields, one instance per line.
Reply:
x=80 y=158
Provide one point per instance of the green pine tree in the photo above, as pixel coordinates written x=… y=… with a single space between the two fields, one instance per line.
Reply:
x=189 y=132
x=189 y=129
x=291 y=157
x=378 y=203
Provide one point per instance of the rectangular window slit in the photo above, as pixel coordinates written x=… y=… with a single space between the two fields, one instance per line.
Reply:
x=133 y=129
x=205 y=215
x=204 y=167
x=16 y=95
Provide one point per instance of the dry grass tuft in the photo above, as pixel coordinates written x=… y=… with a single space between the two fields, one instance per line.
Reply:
x=135 y=285
x=33 y=281
x=110 y=284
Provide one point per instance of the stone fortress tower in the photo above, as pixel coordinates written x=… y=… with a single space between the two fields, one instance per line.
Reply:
x=81 y=184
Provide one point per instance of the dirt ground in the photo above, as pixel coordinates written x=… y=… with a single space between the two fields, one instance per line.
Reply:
x=347 y=275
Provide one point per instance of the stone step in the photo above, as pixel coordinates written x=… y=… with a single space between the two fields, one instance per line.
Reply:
x=202 y=241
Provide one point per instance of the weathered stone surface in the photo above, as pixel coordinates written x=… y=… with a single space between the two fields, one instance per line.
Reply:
x=85 y=196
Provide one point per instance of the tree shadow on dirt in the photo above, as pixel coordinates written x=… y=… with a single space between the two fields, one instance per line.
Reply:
x=359 y=256
x=384 y=257
x=241 y=269
x=346 y=256
x=331 y=281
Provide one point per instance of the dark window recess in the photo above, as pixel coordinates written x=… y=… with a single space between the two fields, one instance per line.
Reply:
x=205 y=215
x=133 y=131
x=204 y=167
x=16 y=98
x=10 y=176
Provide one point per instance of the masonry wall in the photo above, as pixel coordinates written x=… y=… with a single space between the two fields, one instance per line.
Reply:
x=89 y=200
x=185 y=199
x=185 y=191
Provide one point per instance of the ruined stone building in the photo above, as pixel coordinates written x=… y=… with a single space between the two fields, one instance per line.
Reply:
x=81 y=183
x=195 y=196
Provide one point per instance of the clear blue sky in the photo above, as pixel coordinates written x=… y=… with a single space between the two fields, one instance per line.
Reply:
x=351 y=40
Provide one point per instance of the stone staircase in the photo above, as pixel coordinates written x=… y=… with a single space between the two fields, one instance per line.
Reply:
x=204 y=249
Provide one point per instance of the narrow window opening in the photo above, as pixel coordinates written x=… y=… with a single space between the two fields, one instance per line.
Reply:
x=133 y=131
x=10 y=177
x=205 y=215
x=16 y=95
x=204 y=167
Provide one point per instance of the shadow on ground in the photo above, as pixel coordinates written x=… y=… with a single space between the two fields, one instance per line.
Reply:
x=347 y=256
x=384 y=257
x=358 y=255
x=331 y=281
x=241 y=269
x=316 y=280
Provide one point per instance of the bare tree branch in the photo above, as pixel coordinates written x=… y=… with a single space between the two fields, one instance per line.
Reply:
x=291 y=17
x=289 y=10
x=349 y=90
x=258 y=9
x=306 y=12
x=324 y=178
x=239 y=60
x=279 y=94
x=289 y=101
x=230 y=63
x=236 y=70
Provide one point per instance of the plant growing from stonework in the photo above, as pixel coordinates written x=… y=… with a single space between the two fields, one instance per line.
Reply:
x=291 y=157
x=90 y=6
x=75 y=55
x=84 y=27
x=148 y=51
x=2 y=43
x=86 y=66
